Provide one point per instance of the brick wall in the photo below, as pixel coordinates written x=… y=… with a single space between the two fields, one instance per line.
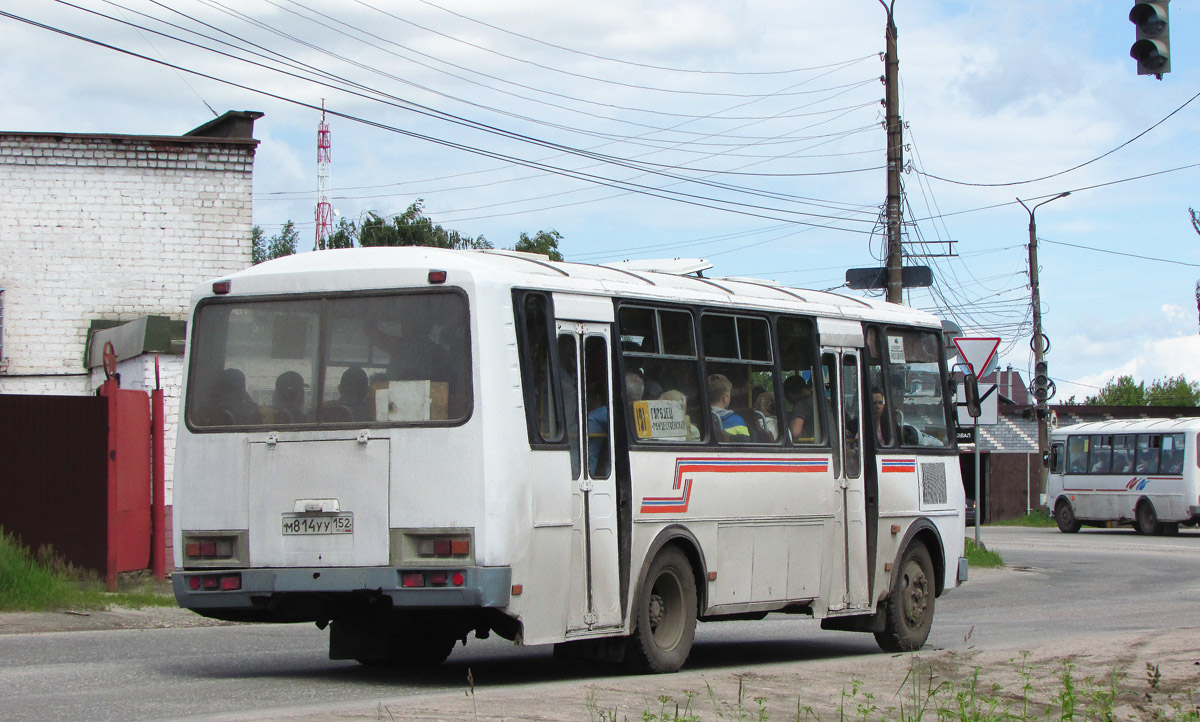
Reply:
x=109 y=227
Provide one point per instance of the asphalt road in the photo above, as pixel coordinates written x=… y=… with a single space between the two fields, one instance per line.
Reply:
x=1058 y=586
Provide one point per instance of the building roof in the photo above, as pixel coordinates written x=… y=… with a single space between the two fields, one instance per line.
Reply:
x=235 y=127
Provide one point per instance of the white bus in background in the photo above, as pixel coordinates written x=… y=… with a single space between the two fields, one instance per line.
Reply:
x=412 y=445
x=1141 y=472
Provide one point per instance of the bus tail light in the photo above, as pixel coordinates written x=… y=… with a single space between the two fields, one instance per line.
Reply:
x=215 y=582
x=214 y=549
x=420 y=580
x=444 y=546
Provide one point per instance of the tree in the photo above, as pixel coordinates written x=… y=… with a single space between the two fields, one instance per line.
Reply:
x=1120 y=391
x=1173 y=391
x=258 y=245
x=544 y=242
x=412 y=228
x=1170 y=391
x=277 y=246
x=343 y=236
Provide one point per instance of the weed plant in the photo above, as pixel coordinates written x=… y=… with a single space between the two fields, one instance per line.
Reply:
x=44 y=581
x=1037 y=695
x=979 y=556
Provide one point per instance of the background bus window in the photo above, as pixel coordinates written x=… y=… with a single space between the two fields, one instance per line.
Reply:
x=659 y=346
x=738 y=348
x=1172 y=454
x=1122 y=454
x=1100 y=456
x=1149 y=447
x=1077 y=454
x=799 y=413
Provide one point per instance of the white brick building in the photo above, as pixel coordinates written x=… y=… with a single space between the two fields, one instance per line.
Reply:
x=102 y=228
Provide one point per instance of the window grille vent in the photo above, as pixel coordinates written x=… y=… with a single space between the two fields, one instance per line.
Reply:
x=933 y=483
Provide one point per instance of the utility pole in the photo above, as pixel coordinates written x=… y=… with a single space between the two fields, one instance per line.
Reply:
x=895 y=140
x=1041 y=377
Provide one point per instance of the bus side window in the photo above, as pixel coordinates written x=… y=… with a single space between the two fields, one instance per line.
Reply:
x=1122 y=462
x=1056 y=458
x=1149 y=447
x=542 y=409
x=1172 y=455
x=1077 y=454
x=1100 y=460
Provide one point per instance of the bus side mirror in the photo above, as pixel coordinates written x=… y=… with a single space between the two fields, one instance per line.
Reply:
x=971 y=394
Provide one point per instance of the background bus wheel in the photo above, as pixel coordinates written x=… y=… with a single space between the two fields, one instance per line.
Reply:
x=665 y=621
x=908 y=610
x=1147 y=519
x=1065 y=516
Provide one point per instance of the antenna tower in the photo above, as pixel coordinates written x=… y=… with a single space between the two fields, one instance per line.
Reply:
x=324 y=207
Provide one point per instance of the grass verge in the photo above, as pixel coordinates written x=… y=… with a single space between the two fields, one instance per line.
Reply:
x=43 y=582
x=1036 y=517
x=979 y=556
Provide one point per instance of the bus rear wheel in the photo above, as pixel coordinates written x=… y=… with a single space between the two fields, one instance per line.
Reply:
x=1147 y=519
x=665 y=615
x=1065 y=516
x=908 y=610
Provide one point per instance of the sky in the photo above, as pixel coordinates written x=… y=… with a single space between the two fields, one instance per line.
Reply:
x=746 y=133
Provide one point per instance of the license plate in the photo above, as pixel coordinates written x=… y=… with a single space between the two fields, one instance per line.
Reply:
x=340 y=523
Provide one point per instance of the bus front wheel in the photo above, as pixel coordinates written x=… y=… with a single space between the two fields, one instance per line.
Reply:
x=1065 y=516
x=908 y=610
x=665 y=621
x=1147 y=519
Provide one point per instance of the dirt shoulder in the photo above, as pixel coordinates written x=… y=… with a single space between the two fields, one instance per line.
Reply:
x=1134 y=676
x=94 y=620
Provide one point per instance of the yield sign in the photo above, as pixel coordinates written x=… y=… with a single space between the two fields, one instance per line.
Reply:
x=978 y=353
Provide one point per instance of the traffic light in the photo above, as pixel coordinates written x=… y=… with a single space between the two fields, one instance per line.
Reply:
x=1041 y=381
x=1152 y=51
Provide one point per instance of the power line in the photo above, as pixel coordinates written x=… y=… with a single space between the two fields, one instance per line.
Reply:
x=1072 y=168
x=623 y=62
x=1120 y=253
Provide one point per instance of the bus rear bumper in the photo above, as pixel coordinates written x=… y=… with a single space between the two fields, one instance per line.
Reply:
x=255 y=589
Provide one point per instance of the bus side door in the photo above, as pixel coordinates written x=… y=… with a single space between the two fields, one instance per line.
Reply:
x=585 y=354
x=841 y=370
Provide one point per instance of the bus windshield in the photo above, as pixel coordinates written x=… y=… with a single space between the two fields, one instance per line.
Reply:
x=386 y=359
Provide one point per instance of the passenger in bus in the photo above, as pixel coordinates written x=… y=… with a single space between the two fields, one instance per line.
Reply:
x=727 y=425
x=232 y=399
x=289 y=397
x=597 y=420
x=798 y=392
x=883 y=423
x=693 y=433
x=416 y=356
x=766 y=423
x=353 y=393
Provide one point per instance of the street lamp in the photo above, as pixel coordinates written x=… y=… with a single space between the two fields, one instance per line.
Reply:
x=1041 y=381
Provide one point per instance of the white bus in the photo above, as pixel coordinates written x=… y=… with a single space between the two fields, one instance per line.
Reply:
x=414 y=444
x=1141 y=472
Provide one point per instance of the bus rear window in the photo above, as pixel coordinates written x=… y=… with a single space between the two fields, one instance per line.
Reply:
x=399 y=359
